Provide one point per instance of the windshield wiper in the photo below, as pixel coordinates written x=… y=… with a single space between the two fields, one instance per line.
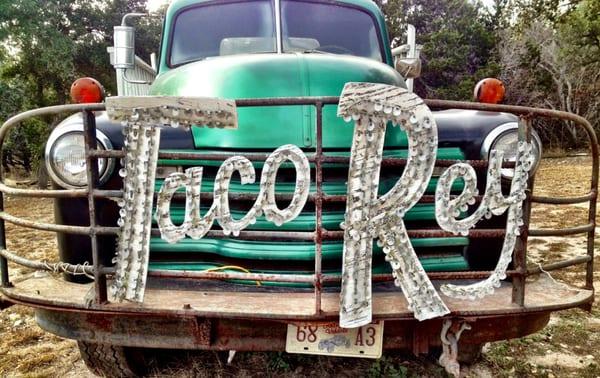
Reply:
x=316 y=51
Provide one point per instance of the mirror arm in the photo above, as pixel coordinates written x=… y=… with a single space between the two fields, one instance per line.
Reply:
x=134 y=81
x=131 y=15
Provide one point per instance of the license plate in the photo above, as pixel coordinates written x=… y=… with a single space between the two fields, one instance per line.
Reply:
x=332 y=340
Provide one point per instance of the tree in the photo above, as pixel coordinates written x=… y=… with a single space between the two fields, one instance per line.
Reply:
x=46 y=45
x=554 y=62
x=458 y=41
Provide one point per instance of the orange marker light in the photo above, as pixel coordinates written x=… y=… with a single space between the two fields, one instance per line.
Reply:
x=86 y=91
x=489 y=91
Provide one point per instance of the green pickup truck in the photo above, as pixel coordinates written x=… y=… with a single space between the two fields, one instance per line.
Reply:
x=356 y=238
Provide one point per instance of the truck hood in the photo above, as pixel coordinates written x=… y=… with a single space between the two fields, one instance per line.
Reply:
x=276 y=75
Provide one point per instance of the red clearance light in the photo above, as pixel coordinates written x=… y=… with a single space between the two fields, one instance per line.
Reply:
x=489 y=91
x=86 y=91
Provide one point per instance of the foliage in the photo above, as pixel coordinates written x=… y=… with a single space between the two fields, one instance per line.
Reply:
x=45 y=46
x=458 y=40
x=553 y=61
x=385 y=367
x=546 y=51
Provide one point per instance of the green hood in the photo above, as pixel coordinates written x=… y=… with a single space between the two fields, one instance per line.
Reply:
x=276 y=75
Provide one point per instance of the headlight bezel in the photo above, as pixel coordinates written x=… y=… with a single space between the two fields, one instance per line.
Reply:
x=502 y=131
x=64 y=130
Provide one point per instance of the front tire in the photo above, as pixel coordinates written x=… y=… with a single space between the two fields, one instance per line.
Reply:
x=106 y=360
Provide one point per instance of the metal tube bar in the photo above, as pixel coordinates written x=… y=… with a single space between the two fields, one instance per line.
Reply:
x=520 y=253
x=333 y=278
x=6 y=126
x=4 y=278
x=89 y=135
x=263 y=235
x=13 y=121
x=318 y=207
x=427 y=198
x=559 y=265
x=257 y=156
x=42 y=193
x=401 y=162
x=117 y=154
x=477 y=233
x=247 y=235
x=99 y=193
x=58 y=193
x=564 y=231
x=565 y=200
x=42 y=226
x=221 y=156
x=298 y=278
x=44 y=265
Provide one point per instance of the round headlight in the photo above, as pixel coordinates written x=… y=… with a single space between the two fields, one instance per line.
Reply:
x=65 y=157
x=505 y=139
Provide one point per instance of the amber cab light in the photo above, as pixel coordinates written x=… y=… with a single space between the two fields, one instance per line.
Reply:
x=489 y=91
x=86 y=91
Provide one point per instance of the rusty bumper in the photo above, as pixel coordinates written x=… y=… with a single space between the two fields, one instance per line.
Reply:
x=191 y=318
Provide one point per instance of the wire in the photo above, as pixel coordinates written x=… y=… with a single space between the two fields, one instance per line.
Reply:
x=232 y=267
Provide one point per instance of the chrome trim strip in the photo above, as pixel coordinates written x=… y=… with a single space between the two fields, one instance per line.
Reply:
x=486 y=146
x=278 y=26
x=489 y=140
x=61 y=130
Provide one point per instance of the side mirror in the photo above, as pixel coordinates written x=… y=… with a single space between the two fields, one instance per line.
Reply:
x=124 y=51
x=406 y=57
x=409 y=68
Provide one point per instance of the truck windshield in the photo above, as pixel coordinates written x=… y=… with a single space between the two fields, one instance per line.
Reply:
x=223 y=29
x=217 y=29
x=328 y=28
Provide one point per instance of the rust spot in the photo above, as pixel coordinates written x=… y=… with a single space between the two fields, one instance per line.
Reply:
x=100 y=322
x=202 y=328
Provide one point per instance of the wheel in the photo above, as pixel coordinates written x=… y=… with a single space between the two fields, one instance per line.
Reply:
x=107 y=360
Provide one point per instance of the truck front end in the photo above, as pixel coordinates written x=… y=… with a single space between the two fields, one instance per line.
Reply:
x=234 y=195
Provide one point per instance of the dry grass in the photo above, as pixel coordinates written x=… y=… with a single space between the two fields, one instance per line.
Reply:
x=568 y=346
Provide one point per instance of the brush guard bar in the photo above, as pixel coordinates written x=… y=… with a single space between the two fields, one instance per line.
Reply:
x=519 y=273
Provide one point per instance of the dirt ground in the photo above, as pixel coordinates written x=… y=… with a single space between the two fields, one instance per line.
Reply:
x=568 y=346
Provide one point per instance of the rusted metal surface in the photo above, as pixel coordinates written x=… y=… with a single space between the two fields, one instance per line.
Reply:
x=586 y=228
x=520 y=252
x=382 y=277
x=256 y=335
x=319 y=208
x=297 y=278
x=55 y=267
x=559 y=265
x=44 y=226
x=47 y=266
x=592 y=196
x=202 y=331
x=89 y=135
x=476 y=234
x=4 y=279
x=544 y=294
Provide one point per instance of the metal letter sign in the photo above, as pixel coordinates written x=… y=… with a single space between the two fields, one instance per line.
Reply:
x=367 y=218
x=140 y=117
